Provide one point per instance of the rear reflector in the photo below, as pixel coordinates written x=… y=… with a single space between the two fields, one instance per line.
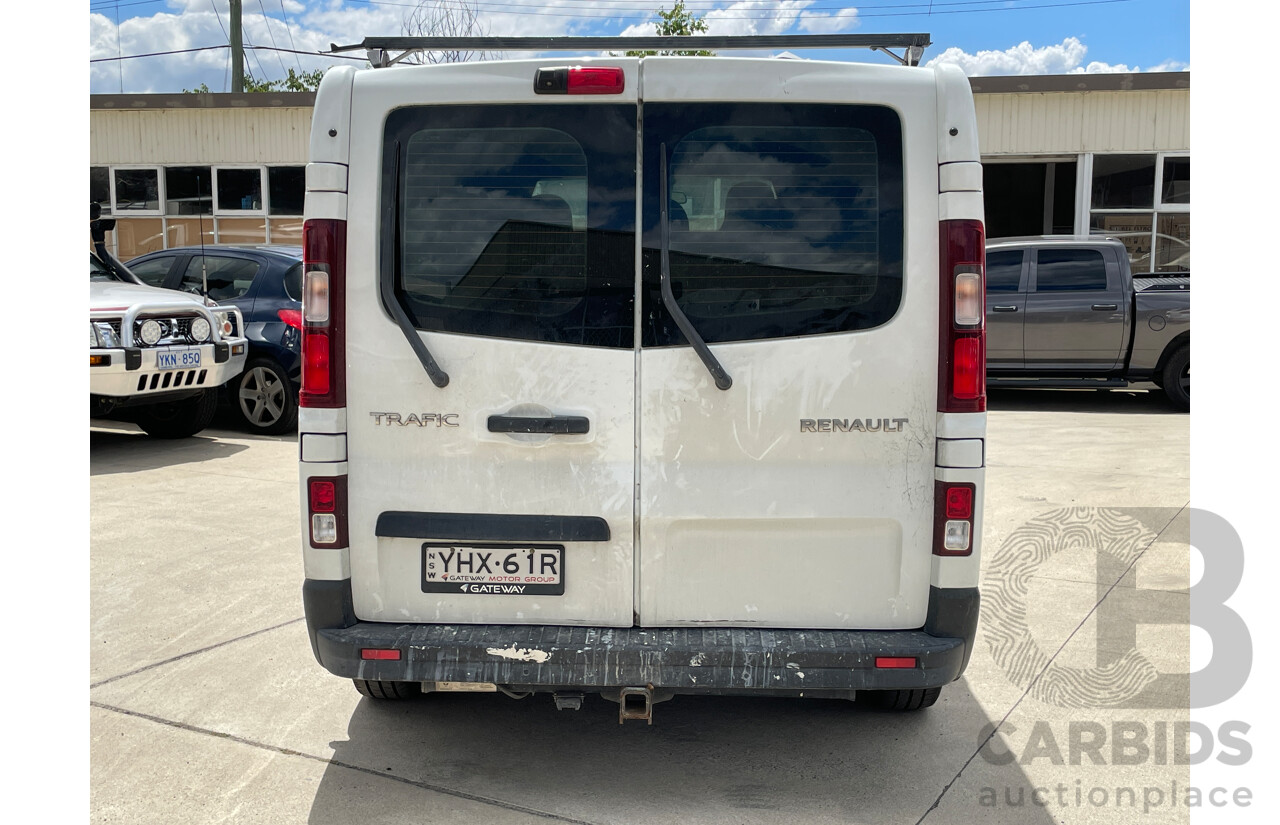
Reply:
x=379 y=653
x=895 y=661
x=579 y=80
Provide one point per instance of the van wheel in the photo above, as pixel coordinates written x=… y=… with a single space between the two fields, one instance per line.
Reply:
x=912 y=699
x=178 y=419
x=265 y=400
x=1176 y=378
x=375 y=689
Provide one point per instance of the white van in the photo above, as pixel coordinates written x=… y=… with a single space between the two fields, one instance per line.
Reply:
x=642 y=377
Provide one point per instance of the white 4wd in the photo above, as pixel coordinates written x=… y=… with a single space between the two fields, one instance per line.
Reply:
x=643 y=377
x=157 y=356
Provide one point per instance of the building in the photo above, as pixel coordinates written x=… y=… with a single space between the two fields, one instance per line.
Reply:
x=1062 y=154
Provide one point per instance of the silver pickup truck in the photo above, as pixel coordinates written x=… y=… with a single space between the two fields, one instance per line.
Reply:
x=1066 y=312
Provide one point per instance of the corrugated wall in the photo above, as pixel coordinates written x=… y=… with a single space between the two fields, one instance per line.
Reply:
x=1026 y=123
x=1073 y=122
x=231 y=136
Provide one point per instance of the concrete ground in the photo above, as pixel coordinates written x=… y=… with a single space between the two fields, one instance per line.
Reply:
x=207 y=706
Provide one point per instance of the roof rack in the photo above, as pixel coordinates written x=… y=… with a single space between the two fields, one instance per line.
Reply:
x=378 y=48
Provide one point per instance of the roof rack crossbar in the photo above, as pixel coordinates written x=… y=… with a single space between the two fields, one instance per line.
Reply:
x=913 y=45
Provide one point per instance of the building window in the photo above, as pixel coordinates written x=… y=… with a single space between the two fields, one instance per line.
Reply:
x=286 y=187
x=100 y=187
x=188 y=190
x=239 y=190
x=1145 y=202
x=137 y=191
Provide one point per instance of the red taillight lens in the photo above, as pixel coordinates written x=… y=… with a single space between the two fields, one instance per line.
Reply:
x=959 y=502
x=379 y=653
x=292 y=317
x=967 y=374
x=962 y=349
x=323 y=496
x=323 y=314
x=595 y=80
x=315 y=363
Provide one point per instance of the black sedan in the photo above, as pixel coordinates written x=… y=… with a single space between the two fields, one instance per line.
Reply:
x=265 y=282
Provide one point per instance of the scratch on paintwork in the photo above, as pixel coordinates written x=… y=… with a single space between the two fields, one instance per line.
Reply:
x=737 y=440
x=522 y=654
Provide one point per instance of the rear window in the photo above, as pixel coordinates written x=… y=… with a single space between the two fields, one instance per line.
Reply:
x=1004 y=271
x=1070 y=270
x=785 y=220
x=514 y=221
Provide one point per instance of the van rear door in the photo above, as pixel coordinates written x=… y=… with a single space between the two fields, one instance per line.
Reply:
x=803 y=495
x=507 y=237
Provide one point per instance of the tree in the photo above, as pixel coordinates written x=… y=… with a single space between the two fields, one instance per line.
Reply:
x=447 y=18
x=679 y=22
x=294 y=82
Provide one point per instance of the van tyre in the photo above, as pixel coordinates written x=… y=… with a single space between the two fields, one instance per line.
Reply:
x=1175 y=379
x=178 y=419
x=264 y=399
x=375 y=689
x=900 y=700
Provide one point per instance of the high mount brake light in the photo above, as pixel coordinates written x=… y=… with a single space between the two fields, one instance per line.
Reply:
x=579 y=80
x=962 y=336
x=323 y=314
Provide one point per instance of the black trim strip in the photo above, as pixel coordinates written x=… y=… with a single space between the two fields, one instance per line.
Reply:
x=555 y=424
x=490 y=527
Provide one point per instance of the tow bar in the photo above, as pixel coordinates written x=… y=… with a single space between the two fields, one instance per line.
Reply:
x=635 y=703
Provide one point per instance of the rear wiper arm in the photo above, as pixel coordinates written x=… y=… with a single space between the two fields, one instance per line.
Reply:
x=722 y=379
x=438 y=376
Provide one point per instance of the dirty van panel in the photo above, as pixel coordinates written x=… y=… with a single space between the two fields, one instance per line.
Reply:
x=802 y=496
x=506 y=496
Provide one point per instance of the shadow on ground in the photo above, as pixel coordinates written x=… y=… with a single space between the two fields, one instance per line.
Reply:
x=1080 y=401
x=125 y=451
x=705 y=759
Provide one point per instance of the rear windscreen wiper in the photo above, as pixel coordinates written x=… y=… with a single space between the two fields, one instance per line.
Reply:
x=722 y=379
x=389 y=298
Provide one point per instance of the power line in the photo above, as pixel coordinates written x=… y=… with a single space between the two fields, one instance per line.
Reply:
x=267 y=20
x=289 y=30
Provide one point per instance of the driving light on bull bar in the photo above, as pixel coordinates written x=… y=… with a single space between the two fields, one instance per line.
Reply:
x=324 y=528
x=151 y=332
x=200 y=330
x=956 y=536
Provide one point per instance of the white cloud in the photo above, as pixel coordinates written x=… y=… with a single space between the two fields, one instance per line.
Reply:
x=1067 y=57
x=818 y=23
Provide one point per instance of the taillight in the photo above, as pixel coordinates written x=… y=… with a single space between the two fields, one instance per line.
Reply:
x=327 y=511
x=579 y=80
x=953 y=518
x=323 y=314
x=292 y=317
x=962 y=342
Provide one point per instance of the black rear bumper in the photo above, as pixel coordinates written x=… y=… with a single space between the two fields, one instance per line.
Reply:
x=681 y=659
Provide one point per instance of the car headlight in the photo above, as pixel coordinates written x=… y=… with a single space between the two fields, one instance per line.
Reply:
x=226 y=327
x=94 y=340
x=102 y=335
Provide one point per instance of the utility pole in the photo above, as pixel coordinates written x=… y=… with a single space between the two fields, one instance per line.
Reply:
x=237 y=50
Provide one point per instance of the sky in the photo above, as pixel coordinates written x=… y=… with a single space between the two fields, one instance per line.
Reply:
x=985 y=37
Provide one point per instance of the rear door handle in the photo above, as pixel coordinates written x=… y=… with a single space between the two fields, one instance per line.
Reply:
x=1004 y=309
x=1106 y=307
x=554 y=424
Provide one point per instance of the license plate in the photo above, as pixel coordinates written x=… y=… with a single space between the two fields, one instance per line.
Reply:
x=493 y=569
x=178 y=359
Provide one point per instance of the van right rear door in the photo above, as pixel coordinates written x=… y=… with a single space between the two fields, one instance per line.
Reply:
x=803 y=495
